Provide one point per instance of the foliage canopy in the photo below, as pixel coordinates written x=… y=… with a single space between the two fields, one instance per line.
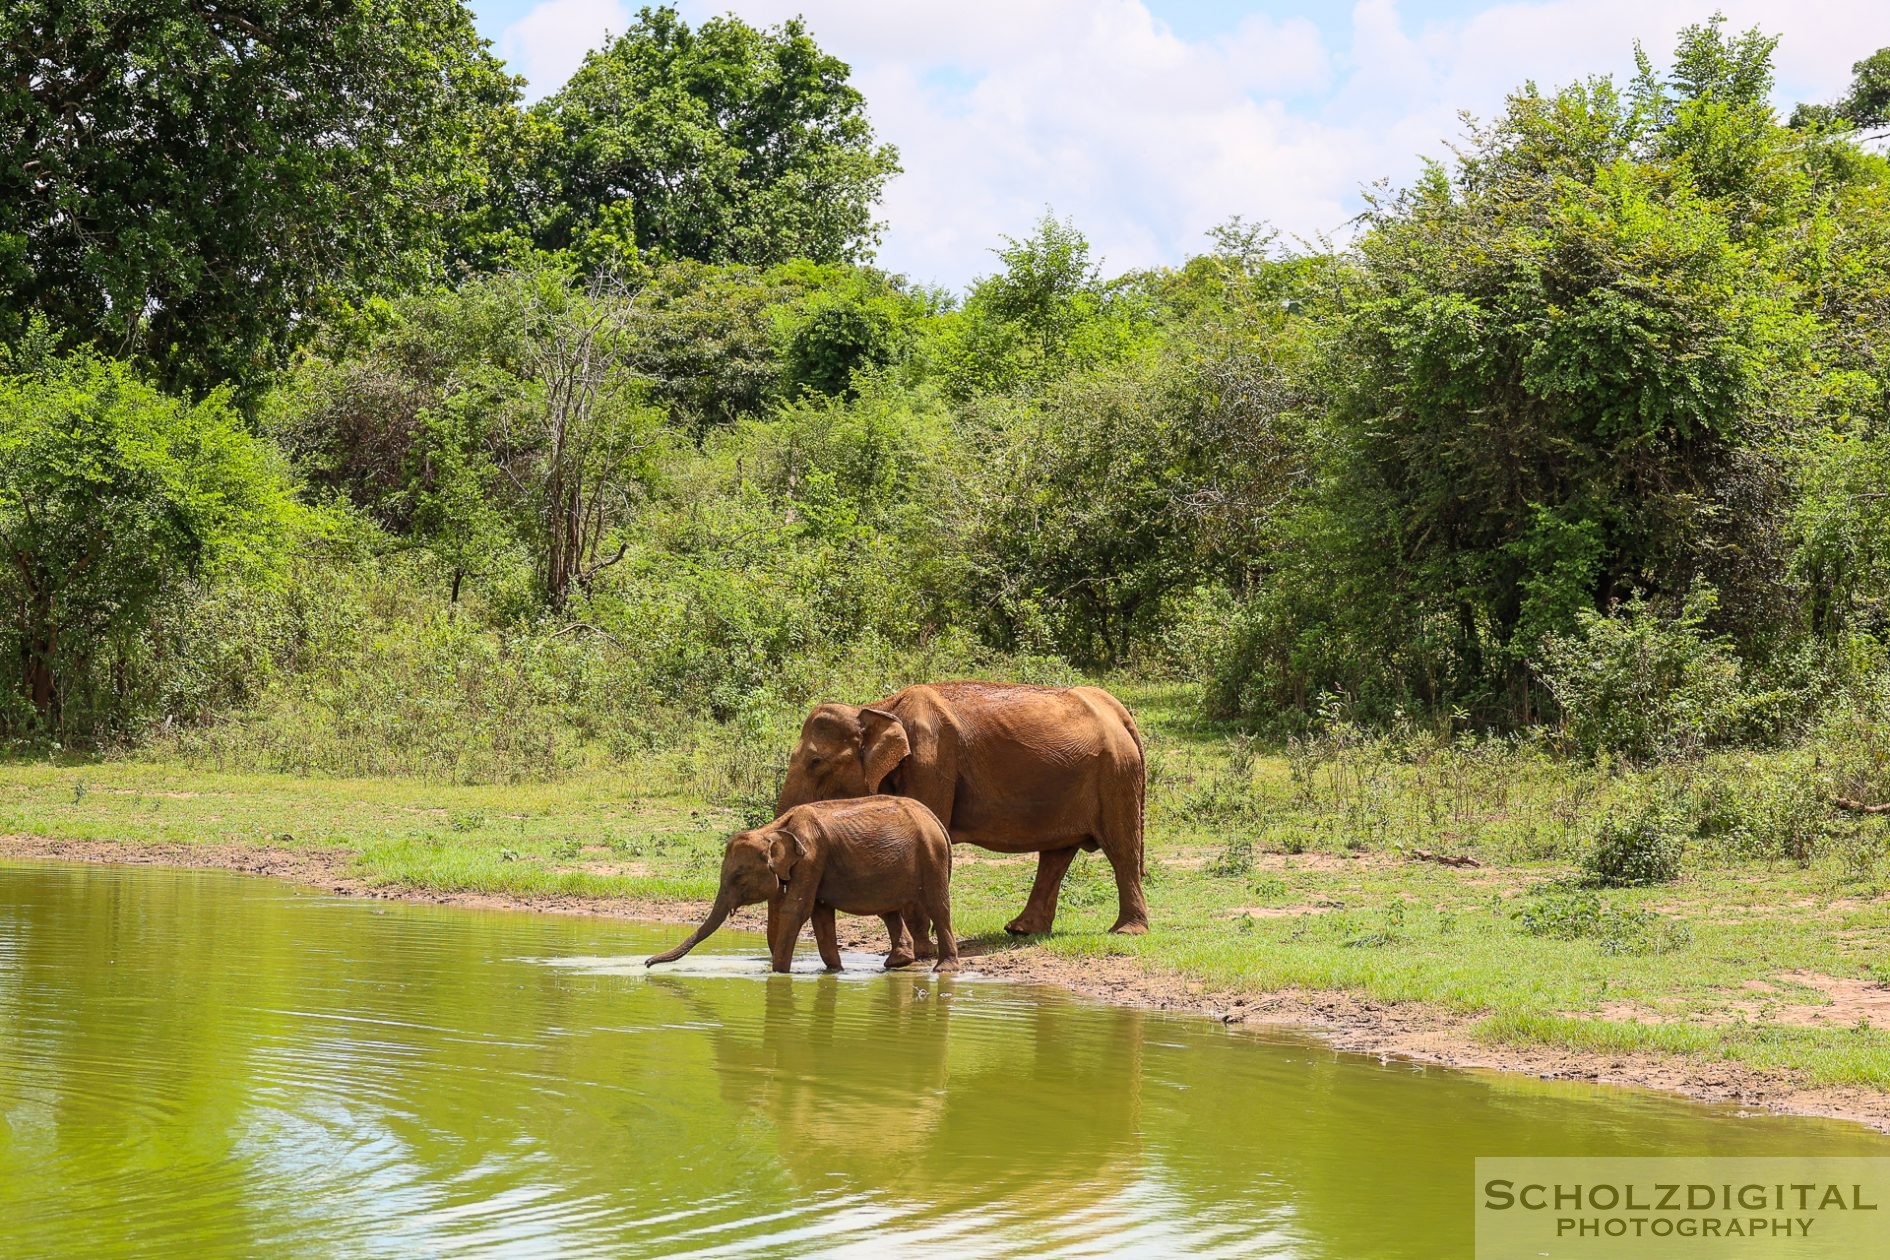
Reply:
x=721 y=144
x=187 y=185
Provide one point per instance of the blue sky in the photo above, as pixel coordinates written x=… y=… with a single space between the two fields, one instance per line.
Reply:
x=1148 y=121
x=1201 y=20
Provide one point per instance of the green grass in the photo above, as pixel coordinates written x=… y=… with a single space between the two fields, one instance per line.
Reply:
x=1326 y=827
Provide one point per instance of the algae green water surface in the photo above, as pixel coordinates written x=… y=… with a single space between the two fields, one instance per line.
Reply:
x=204 y=1064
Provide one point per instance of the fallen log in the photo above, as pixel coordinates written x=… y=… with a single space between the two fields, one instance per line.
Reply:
x=1445 y=859
x=1861 y=807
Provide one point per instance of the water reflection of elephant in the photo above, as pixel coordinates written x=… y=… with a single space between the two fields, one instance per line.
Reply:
x=967 y=1092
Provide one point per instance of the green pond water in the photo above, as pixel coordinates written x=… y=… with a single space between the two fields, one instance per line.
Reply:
x=203 y=1064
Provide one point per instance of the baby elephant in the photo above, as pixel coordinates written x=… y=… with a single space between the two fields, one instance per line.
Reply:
x=881 y=855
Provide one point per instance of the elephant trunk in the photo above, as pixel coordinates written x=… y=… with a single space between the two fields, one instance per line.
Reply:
x=792 y=793
x=717 y=913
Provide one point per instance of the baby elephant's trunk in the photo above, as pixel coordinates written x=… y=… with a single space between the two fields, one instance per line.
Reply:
x=717 y=913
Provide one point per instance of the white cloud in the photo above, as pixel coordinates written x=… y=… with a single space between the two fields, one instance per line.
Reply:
x=1146 y=139
x=548 y=44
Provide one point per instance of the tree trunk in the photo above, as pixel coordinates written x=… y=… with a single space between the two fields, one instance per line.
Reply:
x=41 y=683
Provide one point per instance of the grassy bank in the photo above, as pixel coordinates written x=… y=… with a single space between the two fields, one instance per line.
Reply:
x=1295 y=868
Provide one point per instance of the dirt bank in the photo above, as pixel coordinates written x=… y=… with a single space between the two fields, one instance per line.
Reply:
x=1405 y=1030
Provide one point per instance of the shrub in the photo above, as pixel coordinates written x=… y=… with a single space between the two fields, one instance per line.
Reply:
x=1581 y=915
x=1641 y=685
x=1561 y=916
x=1637 y=850
x=1788 y=815
x=1854 y=742
x=1200 y=634
x=1270 y=888
x=743 y=765
x=1233 y=861
x=119 y=506
x=1228 y=796
x=859 y=323
x=1782 y=813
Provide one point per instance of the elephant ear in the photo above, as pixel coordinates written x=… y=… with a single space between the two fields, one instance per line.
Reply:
x=883 y=745
x=784 y=850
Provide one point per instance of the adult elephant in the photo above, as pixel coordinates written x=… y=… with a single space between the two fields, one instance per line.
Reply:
x=1008 y=767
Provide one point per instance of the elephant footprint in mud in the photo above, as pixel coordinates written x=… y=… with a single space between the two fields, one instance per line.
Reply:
x=880 y=855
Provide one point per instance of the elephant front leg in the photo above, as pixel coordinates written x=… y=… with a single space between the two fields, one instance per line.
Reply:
x=1041 y=910
x=899 y=953
x=825 y=938
x=785 y=922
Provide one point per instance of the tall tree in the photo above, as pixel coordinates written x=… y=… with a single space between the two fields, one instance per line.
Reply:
x=1570 y=370
x=187 y=182
x=721 y=144
x=1866 y=106
x=1046 y=278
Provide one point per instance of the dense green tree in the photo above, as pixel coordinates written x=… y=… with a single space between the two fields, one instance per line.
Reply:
x=705 y=339
x=856 y=322
x=113 y=496
x=1082 y=529
x=1712 y=118
x=721 y=143
x=1841 y=529
x=1048 y=312
x=718 y=344
x=188 y=183
x=1103 y=501
x=1048 y=285
x=1570 y=373
x=1490 y=461
x=1866 y=106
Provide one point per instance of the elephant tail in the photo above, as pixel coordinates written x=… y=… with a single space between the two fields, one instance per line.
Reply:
x=1141 y=814
x=1141 y=787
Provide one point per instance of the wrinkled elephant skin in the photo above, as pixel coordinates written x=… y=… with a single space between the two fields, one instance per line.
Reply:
x=1007 y=767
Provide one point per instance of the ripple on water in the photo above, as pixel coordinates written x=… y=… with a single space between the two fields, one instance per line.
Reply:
x=213 y=1065
x=854 y=966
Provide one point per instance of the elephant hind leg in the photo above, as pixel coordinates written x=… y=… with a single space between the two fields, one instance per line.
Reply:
x=919 y=919
x=899 y=954
x=1040 y=911
x=1132 y=909
x=941 y=915
x=1122 y=842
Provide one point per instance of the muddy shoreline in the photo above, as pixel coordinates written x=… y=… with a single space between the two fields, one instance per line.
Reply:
x=1346 y=1022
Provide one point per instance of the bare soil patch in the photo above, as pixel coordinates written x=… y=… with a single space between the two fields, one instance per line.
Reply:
x=1431 y=1035
x=1347 y=1021
x=1195 y=857
x=1273 y=912
x=636 y=870
x=1846 y=1003
x=307 y=866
